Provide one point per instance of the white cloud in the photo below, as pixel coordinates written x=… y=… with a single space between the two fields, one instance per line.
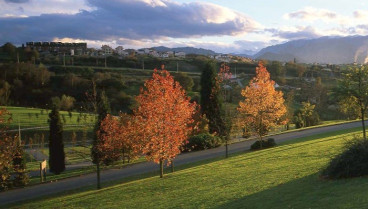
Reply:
x=116 y=20
x=313 y=14
x=21 y=8
x=361 y=14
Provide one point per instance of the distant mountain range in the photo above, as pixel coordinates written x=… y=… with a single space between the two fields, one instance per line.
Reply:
x=328 y=50
x=187 y=50
x=334 y=50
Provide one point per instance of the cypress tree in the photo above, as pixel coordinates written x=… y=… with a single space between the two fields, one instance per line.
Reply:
x=103 y=109
x=211 y=102
x=56 y=145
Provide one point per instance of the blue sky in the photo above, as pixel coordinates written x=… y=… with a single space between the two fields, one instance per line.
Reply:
x=225 y=26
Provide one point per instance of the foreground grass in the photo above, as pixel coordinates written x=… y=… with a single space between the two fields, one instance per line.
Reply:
x=286 y=176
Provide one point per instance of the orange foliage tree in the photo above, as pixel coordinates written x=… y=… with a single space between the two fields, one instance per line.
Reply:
x=163 y=119
x=8 y=146
x=108 y=145
x=118 y=138
x=263 y=106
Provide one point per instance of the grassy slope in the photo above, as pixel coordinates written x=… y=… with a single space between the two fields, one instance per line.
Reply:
x=286 y=176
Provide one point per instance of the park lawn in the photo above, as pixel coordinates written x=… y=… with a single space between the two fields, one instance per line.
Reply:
x=36 y=117
x=286 y=176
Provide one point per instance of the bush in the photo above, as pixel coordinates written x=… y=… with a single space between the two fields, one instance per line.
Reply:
x=270 y=142
x=202 y=141
x=350 y=163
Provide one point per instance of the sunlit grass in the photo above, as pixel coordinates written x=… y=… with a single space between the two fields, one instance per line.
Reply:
x=286 y=176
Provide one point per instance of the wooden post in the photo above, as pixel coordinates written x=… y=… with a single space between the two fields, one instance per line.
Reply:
x=43 y=166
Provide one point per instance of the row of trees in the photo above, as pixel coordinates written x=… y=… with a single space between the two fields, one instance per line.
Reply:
x=164 y=117
x=158 y=127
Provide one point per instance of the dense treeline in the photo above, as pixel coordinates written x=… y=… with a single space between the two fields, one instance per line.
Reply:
x=26 y=84
x=30 y=83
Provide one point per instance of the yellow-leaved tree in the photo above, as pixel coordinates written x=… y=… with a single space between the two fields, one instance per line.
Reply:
x=263 y=106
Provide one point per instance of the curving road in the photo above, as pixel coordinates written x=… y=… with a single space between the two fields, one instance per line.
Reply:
x=40 y=190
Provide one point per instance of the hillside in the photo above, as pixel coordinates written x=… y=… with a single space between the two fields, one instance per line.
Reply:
x=334 y=50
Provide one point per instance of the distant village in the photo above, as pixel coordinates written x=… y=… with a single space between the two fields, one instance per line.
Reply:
x=79 y=49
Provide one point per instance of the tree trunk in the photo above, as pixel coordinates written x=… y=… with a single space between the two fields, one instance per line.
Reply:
x=98 y=175
x=161 y=168
x=363 y=124
x=172 y=166
x=227 y=149
x=260 y=142
x=123 y=157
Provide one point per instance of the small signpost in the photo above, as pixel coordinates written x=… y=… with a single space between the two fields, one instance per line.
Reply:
x=43 y=166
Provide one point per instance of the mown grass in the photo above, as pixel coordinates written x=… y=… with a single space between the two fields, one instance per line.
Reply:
x=36 y=117
x=35 y=128
x=286 y=176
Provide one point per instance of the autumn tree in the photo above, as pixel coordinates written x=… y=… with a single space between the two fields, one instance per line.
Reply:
x=163 y=118
x=118 y=137
x=8 y=146
x=56 y=145
x=354 y=85
x=211 y=101
x=108 y=148
x=263 y=106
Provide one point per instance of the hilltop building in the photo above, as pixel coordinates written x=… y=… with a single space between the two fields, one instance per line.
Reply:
x=58 y=47
x=107 y=50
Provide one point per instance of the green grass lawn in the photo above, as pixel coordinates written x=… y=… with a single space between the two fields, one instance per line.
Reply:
x=35 y=117
x=34 y=125
x=286 y=176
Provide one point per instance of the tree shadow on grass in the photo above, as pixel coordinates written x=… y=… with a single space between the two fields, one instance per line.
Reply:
x=308 y=192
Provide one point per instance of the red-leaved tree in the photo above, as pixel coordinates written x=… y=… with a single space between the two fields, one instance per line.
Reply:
x=163 y=118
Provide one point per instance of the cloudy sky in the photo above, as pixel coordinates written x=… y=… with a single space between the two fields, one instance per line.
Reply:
x=224 y=26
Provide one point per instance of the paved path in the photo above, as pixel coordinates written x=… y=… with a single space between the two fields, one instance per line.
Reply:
x=140 y=168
